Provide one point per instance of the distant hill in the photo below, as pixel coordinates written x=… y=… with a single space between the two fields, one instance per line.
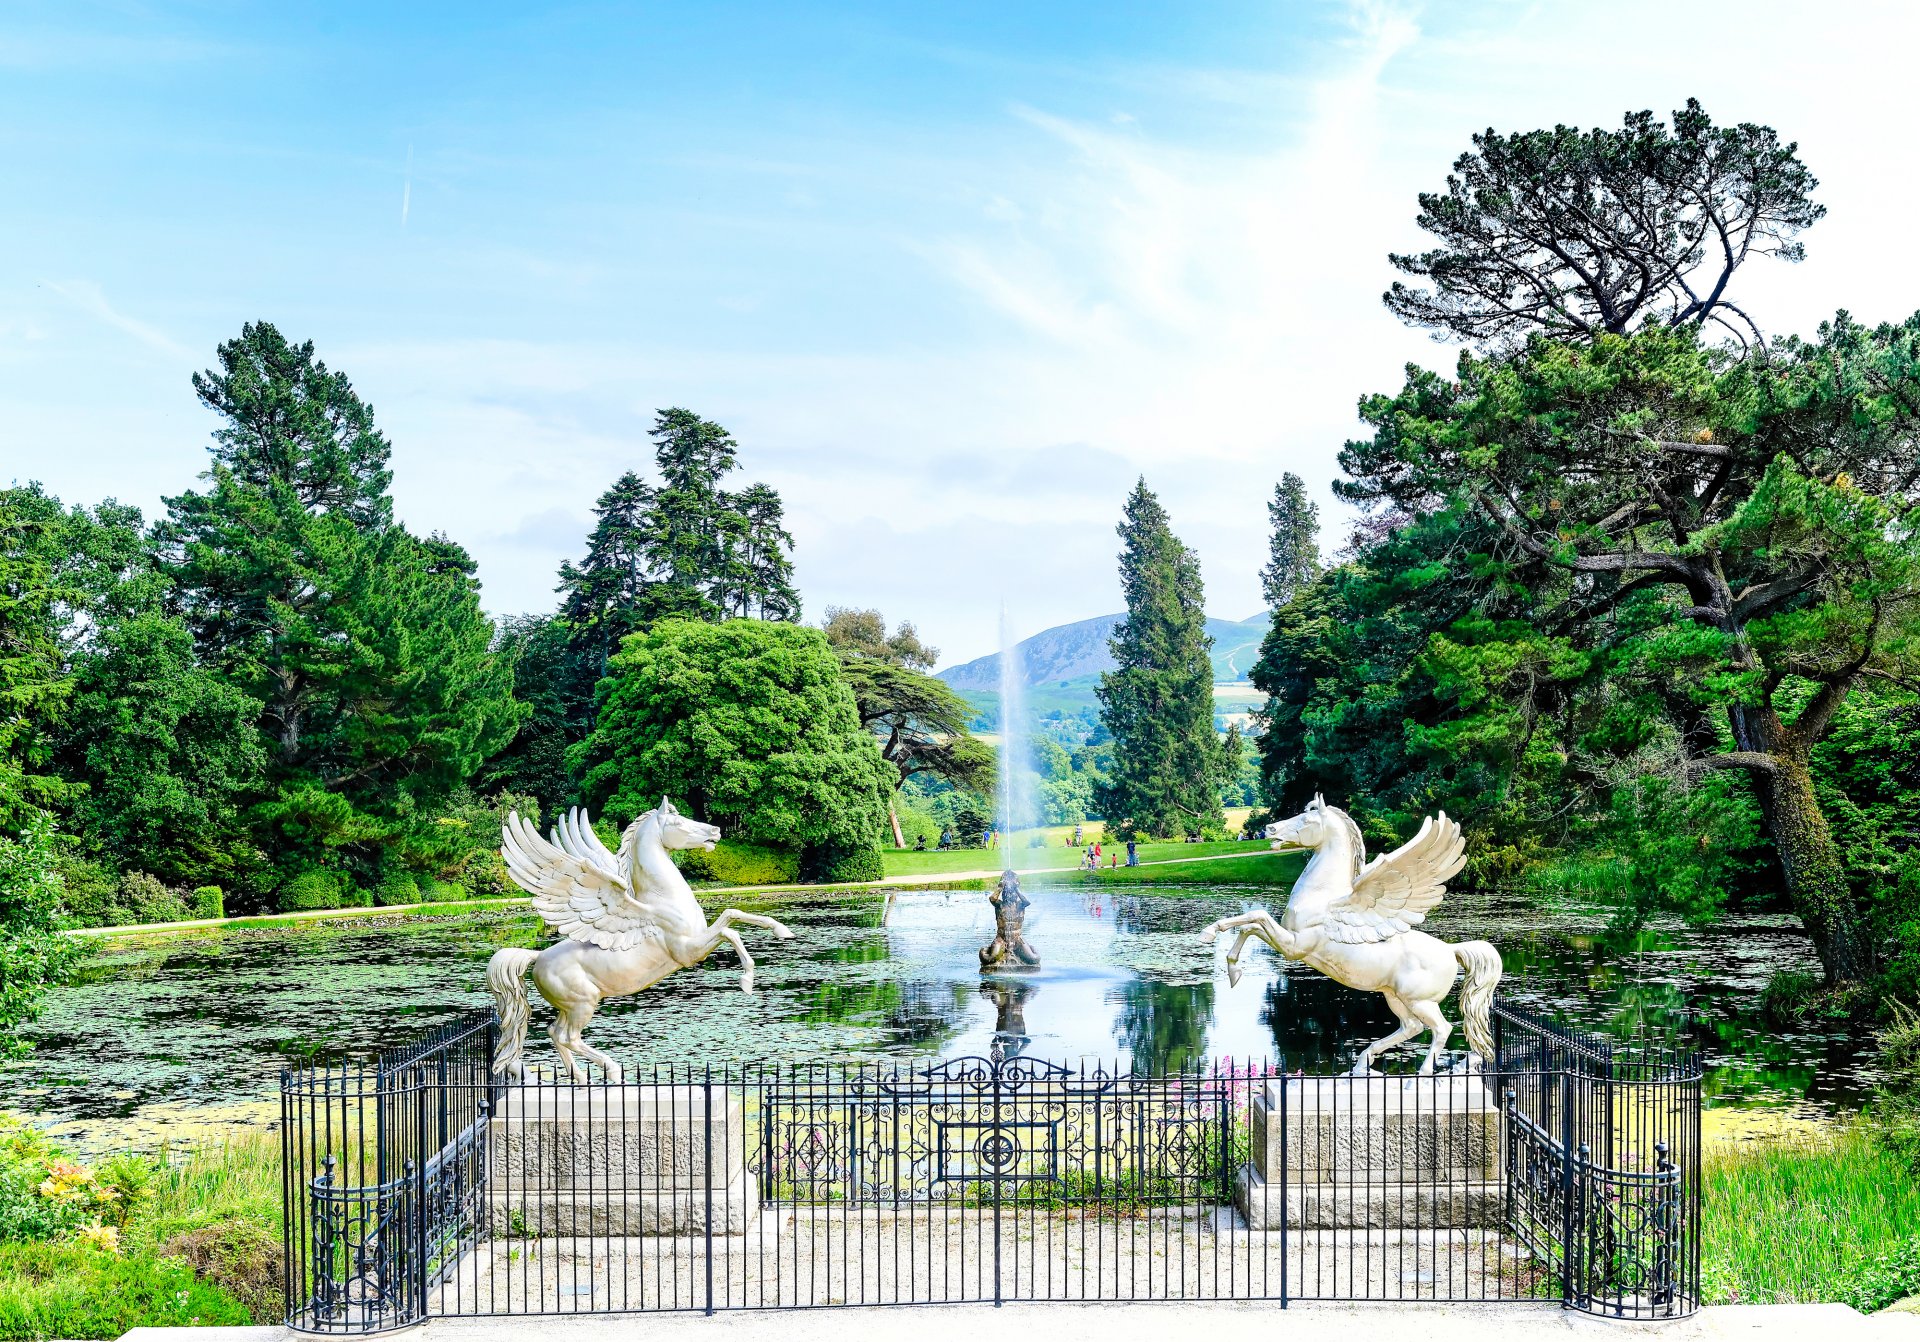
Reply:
x=1078 y=652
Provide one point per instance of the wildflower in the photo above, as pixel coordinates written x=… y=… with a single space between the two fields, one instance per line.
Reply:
x=68 y=1182
x=102 y=1237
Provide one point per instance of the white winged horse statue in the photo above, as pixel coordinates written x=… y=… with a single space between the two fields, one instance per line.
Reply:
x=1353 y=920
x=626 y=922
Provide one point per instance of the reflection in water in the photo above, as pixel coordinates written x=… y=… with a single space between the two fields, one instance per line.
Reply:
x=206 y=1022
x=1009 y=1000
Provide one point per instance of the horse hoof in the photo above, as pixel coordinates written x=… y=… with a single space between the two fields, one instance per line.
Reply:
x=1208 y=933
x=782 y=931
x=746 y=984
x=1234 y=971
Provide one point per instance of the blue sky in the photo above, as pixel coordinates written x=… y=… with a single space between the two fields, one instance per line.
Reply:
x=954 y=275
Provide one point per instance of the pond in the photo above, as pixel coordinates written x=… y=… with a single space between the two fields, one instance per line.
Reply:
x=159 y=1038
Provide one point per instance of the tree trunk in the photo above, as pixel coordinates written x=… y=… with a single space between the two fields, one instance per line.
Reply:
x=1816 y=877
x=898 y=841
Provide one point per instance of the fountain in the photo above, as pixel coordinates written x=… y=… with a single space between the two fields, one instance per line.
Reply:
x=1013 y=789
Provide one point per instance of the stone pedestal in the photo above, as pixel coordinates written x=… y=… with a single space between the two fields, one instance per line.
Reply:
x=1373 y=1153
x=619 y=1160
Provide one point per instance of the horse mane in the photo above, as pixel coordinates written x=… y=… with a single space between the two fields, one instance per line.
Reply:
x=1353 y=833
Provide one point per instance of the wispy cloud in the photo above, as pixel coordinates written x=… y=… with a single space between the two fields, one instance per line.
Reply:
x=88 y=298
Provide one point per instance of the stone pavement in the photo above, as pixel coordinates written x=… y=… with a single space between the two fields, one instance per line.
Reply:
x=1147 y=1322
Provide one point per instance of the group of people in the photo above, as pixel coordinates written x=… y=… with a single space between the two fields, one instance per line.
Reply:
x=1090 y=859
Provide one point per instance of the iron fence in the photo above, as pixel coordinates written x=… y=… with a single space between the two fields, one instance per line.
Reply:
x=421 y=1185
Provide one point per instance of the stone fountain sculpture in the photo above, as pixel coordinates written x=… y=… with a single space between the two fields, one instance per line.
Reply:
x=1355 y=921
x=626 y=921
x=1009 y=948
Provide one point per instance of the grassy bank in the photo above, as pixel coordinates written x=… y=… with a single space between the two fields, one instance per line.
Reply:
x=136 y=1241
x=1056 y=857
x=1817 y=1217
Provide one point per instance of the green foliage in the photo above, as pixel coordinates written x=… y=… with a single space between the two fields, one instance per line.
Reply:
x=846 y=864
x=208 y=901
x=312 y=888
x=735 y=863
x=1819 y=1219
x=1158 y=701
x=1293 y=550
x=749 y=725
x=1578 y=232
x=921 y=724
x=31 y=687
x=34 y=956
x=397 y=887
x=149 y=901
x=65 y=1289
x=364 y=646
x=1896 y=1108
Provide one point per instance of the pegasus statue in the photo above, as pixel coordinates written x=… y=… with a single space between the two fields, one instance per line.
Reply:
x=1355 y=920
x=626 y=921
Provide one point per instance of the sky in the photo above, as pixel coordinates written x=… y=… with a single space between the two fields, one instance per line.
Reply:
x=953 y=275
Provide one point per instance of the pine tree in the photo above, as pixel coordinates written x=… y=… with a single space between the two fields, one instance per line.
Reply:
x=611 y=593
x=692 y=528
x=766 y=556
x=1158 y=701
x=364 y=644
x=1293 y=556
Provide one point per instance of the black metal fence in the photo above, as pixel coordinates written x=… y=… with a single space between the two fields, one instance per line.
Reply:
x=421 y=1185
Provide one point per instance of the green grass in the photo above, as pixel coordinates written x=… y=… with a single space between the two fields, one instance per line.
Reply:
x=1054 y=857
x=1248 y=867
x=1811 y=1219
x=201 y=1246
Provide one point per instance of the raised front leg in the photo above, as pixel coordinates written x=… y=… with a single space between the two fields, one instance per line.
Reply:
x=774 y=925
x=1259 y=924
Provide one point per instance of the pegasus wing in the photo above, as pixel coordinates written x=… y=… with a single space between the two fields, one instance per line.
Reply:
x=574 y=897
x=1397 y=890
x=575 y=836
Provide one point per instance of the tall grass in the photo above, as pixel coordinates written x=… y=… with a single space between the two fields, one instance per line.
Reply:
x=1811 y=1218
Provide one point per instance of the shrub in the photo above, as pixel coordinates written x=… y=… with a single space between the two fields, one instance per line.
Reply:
x=442 y=892
x=149 y=901
x=845 y=865
x=1896 y=1109
x=88 y=893
x=313 y=888
x=735 y=863
x=67 y=1289
x=243 y=1257
x=397 y=887
x=208 y=901
x=25 y=1158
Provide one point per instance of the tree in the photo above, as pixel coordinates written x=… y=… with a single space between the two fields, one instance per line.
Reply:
x=365 y=645
x=32 y=683
x=694 y=534
x=553 y=676
x=921 y=724
x=1732 y=543
x=748 y=724
x=1580 y=233
x=1293 y=552
x=34 y=955
x=863 y=633
x=612 y=591
x=766 y=560
x=1158 y=701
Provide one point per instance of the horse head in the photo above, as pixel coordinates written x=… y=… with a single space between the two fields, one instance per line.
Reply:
x=676 y=831
x=1315 y=827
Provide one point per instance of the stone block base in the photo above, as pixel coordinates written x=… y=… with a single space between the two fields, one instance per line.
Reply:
x=596 y=1212
x=1363 y=1206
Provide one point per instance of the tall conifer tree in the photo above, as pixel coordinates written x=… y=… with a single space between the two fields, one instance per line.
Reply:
x=1293 y=551
x=1158 y=702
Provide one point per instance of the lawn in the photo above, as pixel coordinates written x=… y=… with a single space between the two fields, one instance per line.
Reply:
x=1054 y=857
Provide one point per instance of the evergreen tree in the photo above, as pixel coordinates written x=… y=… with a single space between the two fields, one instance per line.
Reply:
x=32 y=686
x=766 y=556
x=1158 y=701
x=611 y=593
x=365 y=646
x=1293 y=552
x=694 y=534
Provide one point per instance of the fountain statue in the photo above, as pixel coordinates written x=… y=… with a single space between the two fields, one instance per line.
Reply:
x=1009 y=949
x=626 y=922
x=1353 y=920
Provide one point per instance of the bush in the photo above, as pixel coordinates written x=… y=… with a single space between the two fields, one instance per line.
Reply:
x=241 y=1256
x=735 y=863
x=88 y=891
x=149 y=901
x=1896 y=1109
x=313 y=888
x=442 y=892
x=65 y=1289
x=845 y=865
x=208 y=901
x=397 y=887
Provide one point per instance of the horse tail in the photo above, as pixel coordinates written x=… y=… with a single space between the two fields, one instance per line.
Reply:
x=1482 y=963
x=506 y=980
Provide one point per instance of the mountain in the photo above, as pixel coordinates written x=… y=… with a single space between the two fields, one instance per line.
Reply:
x=1078 y=652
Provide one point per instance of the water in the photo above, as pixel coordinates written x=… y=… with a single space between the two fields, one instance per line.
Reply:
x=161 y=1038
